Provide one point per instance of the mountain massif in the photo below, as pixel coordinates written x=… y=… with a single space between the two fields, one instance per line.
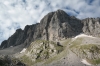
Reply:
x=55 y=35
x=54 y=26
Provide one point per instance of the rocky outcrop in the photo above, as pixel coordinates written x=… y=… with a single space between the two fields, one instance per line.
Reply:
x=91 y=26
x=54 y=26
x=40 y=50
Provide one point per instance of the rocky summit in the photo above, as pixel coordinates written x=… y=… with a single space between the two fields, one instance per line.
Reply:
x=58 y=40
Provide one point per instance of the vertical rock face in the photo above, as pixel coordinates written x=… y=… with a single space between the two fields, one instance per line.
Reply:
x=91 y=26
x=59 y=25
x=44 y=25
x=54 y=26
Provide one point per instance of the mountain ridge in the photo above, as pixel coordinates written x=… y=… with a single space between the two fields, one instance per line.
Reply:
x=54 y=26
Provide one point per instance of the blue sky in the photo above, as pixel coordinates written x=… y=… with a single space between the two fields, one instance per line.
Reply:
x=16 y=14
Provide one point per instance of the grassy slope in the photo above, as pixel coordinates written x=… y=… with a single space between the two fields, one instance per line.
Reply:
x=76 y=46
x=84 y=51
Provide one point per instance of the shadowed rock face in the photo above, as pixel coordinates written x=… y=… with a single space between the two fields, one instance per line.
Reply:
x=54 y=26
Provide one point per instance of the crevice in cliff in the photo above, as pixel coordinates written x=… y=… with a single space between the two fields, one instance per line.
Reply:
x=47 y=26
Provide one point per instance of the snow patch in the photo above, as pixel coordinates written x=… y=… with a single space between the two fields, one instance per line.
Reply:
x=23 y=50
x=83 y=35
x=85 y=62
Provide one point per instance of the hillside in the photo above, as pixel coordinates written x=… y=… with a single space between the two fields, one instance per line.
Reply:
x=58 y=40
x=82 y=50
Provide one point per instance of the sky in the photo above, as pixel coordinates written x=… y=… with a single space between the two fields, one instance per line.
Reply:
x=16 y=14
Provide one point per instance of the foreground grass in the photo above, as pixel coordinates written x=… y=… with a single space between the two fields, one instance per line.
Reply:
x=25 y=59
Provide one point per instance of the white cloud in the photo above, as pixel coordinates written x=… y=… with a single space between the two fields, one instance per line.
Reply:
x=23 y=12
